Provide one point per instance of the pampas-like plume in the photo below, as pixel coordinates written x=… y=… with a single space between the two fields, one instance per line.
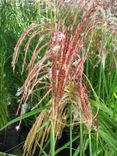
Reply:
x=60 y=69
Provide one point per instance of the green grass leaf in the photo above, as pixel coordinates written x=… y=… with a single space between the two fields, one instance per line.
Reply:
x=38 y=110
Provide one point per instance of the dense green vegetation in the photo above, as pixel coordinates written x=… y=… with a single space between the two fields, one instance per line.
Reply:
x=60 y=61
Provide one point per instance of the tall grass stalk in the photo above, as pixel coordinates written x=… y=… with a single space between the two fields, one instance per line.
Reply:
x=71 y=129
x=97 y=142
x=81 y=136
x=52 y=139
x=42 y=150
x=90 y=143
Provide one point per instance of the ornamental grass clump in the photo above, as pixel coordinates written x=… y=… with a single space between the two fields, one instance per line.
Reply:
x=56 y=67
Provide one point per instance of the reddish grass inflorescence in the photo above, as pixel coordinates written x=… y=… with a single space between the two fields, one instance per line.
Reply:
x=63 y=61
